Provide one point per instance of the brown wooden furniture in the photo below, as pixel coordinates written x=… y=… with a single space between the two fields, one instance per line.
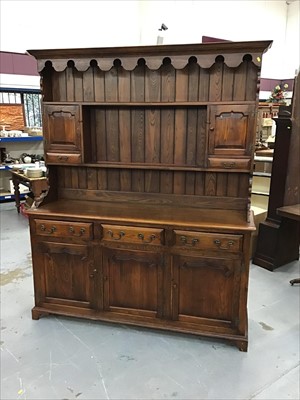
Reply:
x=293 y=213
x=278 y=238
x=150 y=154
x=38 y=186
x=275 y=242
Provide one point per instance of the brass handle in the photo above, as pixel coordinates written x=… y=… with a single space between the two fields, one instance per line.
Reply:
x=184 y=241
x=51 y=230
x=63 y=158
x=228 y=164
x=218 y=243
x=72 y=231
x=117 y=236
x=151 y=238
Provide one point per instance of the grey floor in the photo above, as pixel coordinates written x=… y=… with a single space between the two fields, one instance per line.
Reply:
x=61 y=358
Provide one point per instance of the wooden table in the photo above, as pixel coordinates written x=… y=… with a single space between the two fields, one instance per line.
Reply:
x=38 y=186
x=291 y=212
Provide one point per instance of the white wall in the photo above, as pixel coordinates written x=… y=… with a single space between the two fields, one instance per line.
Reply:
x=62 y=24
x=291 y=53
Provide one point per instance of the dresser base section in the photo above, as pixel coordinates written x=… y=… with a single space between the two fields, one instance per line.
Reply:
x=208 y=331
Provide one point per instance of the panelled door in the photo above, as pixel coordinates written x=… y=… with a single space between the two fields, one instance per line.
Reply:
x=206 y=290
x=62 y=130
x=133 y=282
x=64 y=274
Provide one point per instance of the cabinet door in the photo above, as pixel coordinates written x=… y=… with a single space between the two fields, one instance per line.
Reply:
x=133 y=282
x=64 y=274
x=62 y=132
x=206 y=290
x=231 y=134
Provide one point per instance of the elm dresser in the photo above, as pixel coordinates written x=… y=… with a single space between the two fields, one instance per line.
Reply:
x=149 y=152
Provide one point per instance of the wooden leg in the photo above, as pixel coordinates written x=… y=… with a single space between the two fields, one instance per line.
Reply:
x=17 y=195
x=35 y=314
x=242 y=345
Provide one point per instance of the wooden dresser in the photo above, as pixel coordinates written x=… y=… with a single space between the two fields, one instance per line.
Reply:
x=150 y=156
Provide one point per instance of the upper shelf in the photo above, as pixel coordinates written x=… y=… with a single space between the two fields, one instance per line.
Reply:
x=22 y=139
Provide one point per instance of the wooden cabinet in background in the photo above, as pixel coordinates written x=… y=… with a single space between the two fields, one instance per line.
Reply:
x=150 y=155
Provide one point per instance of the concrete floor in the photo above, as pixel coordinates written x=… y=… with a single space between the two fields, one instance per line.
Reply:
x=65 y=358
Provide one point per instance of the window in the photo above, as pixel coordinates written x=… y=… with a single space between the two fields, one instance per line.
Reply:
x=10 y=98
x=32 y=109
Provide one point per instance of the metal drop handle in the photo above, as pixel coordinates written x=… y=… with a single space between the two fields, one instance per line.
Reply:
x=150 y=239
x=185 y=242
x=50 y=231
x=72 y=231
x=117 y=236
x=218 y=243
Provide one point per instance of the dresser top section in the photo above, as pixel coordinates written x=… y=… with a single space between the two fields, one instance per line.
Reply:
x=205 y=54
x=147 y=215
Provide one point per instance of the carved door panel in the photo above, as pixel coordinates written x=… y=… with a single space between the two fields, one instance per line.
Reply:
x=206 y=290
x=62 y=132
x=133 y=282
x=231 y=135
x=64 y=274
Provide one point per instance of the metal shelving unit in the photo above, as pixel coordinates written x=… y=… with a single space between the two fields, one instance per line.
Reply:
x=21 y=139
x=5 y=194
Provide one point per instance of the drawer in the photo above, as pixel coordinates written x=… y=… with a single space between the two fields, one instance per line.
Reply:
x=63 y=158
x=230 y=163
x=80 y=230
x=209 y=241
x=133 y=234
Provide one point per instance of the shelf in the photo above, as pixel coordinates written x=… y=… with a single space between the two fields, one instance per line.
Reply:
x=258 y=210
x=9 y=167
x=5 y=168
x=263 y=159
x=22 y=139
x=259 y=193
x=9 y=196
x=133 y=104
x=262 y=174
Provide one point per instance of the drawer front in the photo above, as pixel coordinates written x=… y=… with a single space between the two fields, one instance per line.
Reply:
x=230 y=163
x=63 y=158
x=209 y=241
x=80 y=230
x=132 y=234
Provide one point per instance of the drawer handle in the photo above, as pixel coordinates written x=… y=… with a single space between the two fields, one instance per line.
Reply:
x=228 y=164
x=218 y=243
x=72 y=231
x=118 y=236
x=185 y=242
x=63 y=158
x=51 y=230
x=151 y=238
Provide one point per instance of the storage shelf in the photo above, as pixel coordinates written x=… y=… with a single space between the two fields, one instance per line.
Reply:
x=259 y=193
x=9 y=196
x=22 y=139
x=263 y=159
x=5 y=168
x=262 y=174
x=133 y=104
